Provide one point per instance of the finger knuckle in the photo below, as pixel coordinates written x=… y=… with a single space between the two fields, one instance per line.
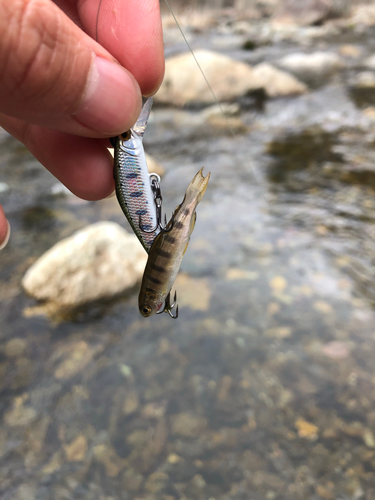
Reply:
x=34 y=56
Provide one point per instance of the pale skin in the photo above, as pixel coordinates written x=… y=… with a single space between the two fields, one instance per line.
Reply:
x=63 y=94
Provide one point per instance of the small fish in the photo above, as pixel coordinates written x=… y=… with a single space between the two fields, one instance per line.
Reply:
x=167 y=251
x=132 y=180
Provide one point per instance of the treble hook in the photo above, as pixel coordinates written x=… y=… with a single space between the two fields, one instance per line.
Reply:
x=158 y=199
x=168 y=306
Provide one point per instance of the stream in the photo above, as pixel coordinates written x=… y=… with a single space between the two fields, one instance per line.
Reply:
x=264 y=388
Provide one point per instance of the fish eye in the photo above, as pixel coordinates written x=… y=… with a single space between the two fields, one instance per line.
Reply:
x=126 y=135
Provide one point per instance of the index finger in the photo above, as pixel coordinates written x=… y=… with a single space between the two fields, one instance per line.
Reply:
x=131 y=31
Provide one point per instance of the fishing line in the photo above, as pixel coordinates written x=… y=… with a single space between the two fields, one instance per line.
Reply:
x=230 y=128
x=97 y=21
x=216 y=100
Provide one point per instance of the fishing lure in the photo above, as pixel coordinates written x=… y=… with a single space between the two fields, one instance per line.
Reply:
x=137 y=191
x=167 y=251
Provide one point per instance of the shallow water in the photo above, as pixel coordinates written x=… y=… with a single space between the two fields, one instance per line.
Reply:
x=264 y=386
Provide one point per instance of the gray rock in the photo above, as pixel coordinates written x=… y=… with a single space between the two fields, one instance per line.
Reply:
x=362 y=89
x=364 y=80
x=184 y=83
x=188 y=425
x=4 y=187
x=312 y=68
x=96 y=263
x=370 y=63
x=310 y=11
x=276 y=83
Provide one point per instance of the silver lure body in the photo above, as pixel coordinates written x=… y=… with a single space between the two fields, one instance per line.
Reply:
x=133 y=187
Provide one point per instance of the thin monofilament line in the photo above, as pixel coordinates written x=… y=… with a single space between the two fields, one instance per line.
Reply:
x=97 y=21
x=255 y=174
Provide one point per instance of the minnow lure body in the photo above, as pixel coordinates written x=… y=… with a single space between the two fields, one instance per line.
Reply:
x=167 y=251
x=132 y=180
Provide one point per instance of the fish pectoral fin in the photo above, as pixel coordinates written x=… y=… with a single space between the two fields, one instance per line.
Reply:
x=192 y=222
x=187 y=244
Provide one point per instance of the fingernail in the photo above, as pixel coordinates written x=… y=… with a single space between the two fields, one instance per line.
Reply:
x=7 y=236
x=112 y=102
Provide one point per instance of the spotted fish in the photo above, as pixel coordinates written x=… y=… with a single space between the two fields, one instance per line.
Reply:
x=132 y=180
x=168 y=249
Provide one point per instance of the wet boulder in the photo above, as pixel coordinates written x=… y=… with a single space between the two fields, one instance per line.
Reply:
x=96 y=263
x=362 y=89
x=370 y=63
x=183 y=82
x=230 y=79
x=276 y=83
x=313 y=69
x=310 y=12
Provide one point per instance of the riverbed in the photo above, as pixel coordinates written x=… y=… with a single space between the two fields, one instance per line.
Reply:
x=264 y=386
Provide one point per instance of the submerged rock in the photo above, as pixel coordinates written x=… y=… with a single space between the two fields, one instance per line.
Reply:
x=230 y=79
x=312 y=68
x=97 y=263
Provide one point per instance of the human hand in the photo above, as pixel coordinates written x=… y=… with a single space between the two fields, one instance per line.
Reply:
x=61 y=92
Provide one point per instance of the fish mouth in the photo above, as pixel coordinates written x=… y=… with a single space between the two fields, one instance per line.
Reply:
x=145 y=310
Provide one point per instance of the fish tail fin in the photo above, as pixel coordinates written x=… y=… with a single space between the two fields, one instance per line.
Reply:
x=198 y=184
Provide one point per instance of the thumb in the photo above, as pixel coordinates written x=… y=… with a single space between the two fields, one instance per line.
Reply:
x=56 y=76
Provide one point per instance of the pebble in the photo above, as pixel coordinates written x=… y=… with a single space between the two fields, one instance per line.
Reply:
x=351 y=51
x=193 y=292
x=336 y=350
x=323 y=307
x=77 y=449
x=131 y=404
x=107 y=456
x=75 y=356
x=15 y=347
x=278 y=284
x=156 y=482
x=20 y=415
x=4 y=187
x=306 y=429
x=188 y=425
x=132 y=480
x=279 y=332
